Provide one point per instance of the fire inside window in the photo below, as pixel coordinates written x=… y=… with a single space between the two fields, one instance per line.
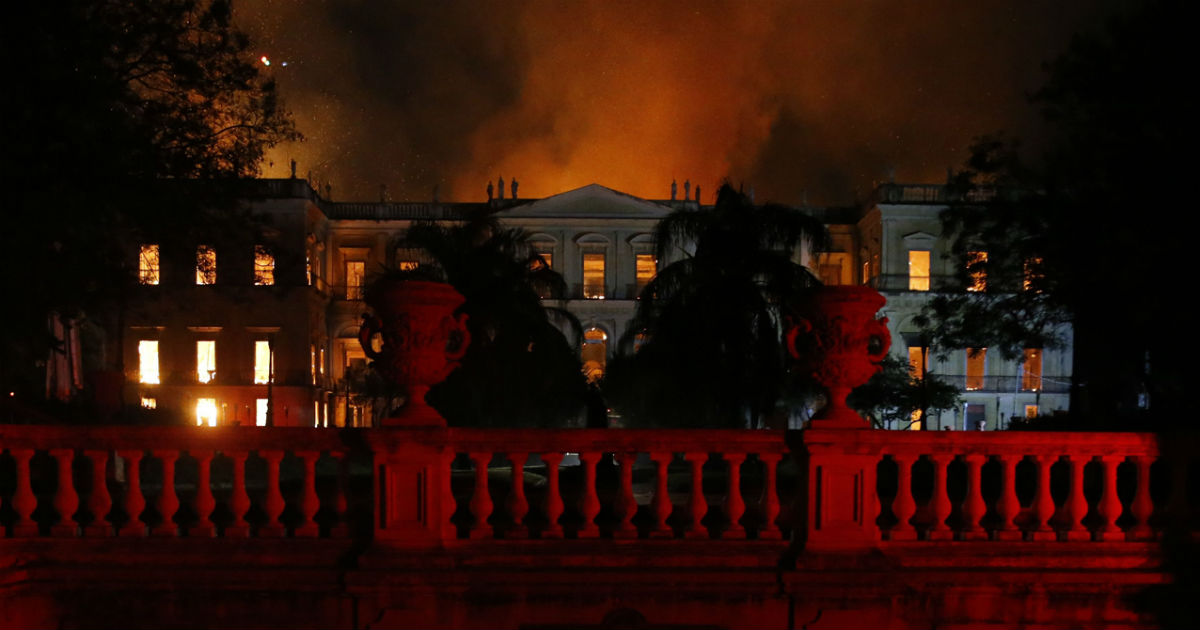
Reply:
x=206 y=360
x=593 y=276
x=148 y=264
x=1033 y=274
x=646 y=267
x=354 y=279
x=149 y=403
x=976 y=359
x=918 y=270
x=262 y=362
x=148 y=361
x=206 y=265
x=976 y=272
x=206 y=412
x=264 y=266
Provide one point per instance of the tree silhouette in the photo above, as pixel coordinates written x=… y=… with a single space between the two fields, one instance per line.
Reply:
x=520 y=370
x=705 y=348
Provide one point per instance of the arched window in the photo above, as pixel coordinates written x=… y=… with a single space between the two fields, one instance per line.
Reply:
x=594 y=353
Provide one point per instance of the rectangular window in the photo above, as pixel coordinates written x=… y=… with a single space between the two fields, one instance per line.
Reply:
x=149 y=403
x=1032 y=280
x=148 y=264
x=408 y=265
x=1031 y=370
x=354 y=279
x=264 y=266
x=831 y=266
x=316 y=414
x=263 y=358
x=976 y=360
x=206 y=412
x=866 y=273
x=915 y=355
x=1031 y=411
x=312 y=367
x=308 y=274
x=646 y=267
x=547 y=259
x=148 y=361
x=206 y=360
x=260 y=412
x=593 y=276
x=206 y=265
x=976 y=271
x=321 y=361
x=918 y=271
x=974 y=417
x=914 y=420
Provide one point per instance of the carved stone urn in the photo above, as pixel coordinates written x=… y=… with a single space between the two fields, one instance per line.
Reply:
x=837 y=339
x=422 y=341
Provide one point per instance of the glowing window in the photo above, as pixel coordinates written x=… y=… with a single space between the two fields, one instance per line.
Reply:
x=1031 y=411
x=976 y=359
x=149 y=403
x=206 y=360
x=262 y=361
x=866 y=272
x=316 y=414
x=321 y=361
x=260 y=412
x=206 y=265
x=831 y=266
x=206 y=412
x=916 y=356
x=918 y=271
x=593 y=276
x=354 y=279
x=308 y=269
x=1031 y=370
x=645 y=267
x=547 y=260
x=976 y=271
x=264 y=266
x=1033 y=274
x=148 y=264
x=408 y=265
x=594 y=354
x=915 y=420
x=148 y=361
x=312 y=367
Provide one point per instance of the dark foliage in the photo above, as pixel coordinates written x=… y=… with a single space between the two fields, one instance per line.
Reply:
x=892 y=395
x=705 y=348
x=520 y=370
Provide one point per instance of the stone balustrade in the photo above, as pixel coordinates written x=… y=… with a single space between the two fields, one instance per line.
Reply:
x=434 y=487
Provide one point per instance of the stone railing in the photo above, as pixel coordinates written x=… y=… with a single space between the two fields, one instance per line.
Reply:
x=429 y=487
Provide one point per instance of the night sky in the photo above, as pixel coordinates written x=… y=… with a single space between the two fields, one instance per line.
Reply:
x=793 y=98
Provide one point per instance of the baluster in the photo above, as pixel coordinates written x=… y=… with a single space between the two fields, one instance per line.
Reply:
x=274 y=503
x=769 y=502
x=1110 y=503
x=341 y=488
x=24 y=500
x=1008 y=505
x=589 y=503
x=205 y=503
x=974 y=506
x=309 y=501
x=481 y=500
x=661 y=504
x=239 y=500
x=903 y=506
x=168 y=501
x=553 y=505
x=135 y=501
x=735 y=506
x=66 y=500
x=1143 y=504
x=1077 y=501
x=626 y=505
x=516 y=504
x=99 y=502
x=1043 y=502
x=697 y=505
x=941 y=501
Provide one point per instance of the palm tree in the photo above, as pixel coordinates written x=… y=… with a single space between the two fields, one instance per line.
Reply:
x=520 y=370
x=705 y=348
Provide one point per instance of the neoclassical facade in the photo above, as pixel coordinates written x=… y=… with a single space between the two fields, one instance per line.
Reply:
x=267 y=335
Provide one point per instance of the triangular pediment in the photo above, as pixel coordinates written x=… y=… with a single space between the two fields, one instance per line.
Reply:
x=591 y=201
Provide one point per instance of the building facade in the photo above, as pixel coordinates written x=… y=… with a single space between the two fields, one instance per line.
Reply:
x=268 y=334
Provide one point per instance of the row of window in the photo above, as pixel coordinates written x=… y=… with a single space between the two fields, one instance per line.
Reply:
x=149 y=271
x=919 y=271
x=206 y=361
x=976 y=360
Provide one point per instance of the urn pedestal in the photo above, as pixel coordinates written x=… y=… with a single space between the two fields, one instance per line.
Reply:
x=422 y=342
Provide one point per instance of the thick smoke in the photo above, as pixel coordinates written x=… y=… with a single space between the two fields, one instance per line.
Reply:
x=800 y=100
